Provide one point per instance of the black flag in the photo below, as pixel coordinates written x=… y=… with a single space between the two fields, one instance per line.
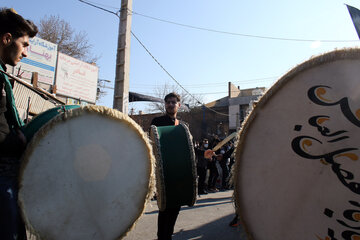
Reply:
x=355 y=16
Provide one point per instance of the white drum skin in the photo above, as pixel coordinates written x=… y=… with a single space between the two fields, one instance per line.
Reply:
x=86 y=176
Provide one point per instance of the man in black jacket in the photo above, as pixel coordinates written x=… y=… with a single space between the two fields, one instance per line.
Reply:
x=15 y=32
x=167 y=218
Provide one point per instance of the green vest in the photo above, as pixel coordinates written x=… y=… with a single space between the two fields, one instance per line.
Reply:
x=14 y=121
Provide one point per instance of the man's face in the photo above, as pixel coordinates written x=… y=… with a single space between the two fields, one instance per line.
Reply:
x=15 y=49
x=171 y=105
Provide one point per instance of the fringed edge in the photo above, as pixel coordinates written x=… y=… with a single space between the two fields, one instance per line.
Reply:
x=93 y=109
x=193 y=162
x=343 y=54
x=160 y=181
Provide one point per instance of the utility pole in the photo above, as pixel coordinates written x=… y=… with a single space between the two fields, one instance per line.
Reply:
x=121 y=88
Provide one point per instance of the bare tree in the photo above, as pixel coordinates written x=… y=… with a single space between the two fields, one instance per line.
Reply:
x=187 y=101
x=70 y=42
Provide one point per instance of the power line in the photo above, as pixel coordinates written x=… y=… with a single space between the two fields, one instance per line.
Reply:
x=245 y=81
x=161 y=66
x=100 y=4
x=207 y=93
x=214 y=30
x=202 y=85
x=117 y=13
x=239 y=34
x=153 y=57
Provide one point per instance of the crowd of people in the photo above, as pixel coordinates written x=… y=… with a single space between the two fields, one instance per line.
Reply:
x=214 y=173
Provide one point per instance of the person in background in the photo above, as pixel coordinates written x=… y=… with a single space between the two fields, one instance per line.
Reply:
x=201 y=167
x=225 y=154
x=214 y=174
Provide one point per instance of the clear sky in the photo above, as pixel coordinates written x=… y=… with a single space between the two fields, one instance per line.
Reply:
x=204 y=61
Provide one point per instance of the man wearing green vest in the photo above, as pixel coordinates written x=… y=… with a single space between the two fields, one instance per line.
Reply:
x=15 y=32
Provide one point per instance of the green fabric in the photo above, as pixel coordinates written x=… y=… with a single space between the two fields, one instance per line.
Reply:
x=14 y=121
x=40 y=120
x=177 y=166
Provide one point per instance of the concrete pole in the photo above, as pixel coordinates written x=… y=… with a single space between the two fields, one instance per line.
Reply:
x=121 y=88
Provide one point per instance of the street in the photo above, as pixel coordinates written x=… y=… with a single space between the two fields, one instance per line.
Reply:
x=208 y=219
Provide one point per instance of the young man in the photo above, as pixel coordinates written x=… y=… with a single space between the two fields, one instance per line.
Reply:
x=172 y=105
x=15 y=32
x=167 y=218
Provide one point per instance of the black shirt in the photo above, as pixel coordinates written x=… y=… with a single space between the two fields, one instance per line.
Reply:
x=164 y=120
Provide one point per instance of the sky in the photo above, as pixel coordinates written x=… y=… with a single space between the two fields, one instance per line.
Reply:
x=204 y=61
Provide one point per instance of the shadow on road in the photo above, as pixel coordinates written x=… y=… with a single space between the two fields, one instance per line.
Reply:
x=218 y=229
x=206 y=200
x=200 y=203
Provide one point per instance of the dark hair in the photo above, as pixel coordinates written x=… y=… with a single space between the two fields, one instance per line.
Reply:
x=13 y=23
x=172 y=95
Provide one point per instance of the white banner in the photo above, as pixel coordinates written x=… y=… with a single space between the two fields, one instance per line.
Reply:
x=76 y=79
x=41 y=58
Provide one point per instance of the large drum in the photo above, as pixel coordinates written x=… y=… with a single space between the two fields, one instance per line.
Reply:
x=176 y=179
x=85 y=175
x=297 y=161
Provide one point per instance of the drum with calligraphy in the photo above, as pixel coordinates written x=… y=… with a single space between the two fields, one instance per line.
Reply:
x=297 y=162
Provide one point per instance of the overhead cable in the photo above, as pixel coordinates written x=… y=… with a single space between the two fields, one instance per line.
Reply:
x=118 y=15
x=215 y=84
x=100 y=4
x=214 y=30
x=239 y=34
x=161 y=66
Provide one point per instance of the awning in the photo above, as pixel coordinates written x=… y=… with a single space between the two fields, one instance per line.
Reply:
x=137 y=97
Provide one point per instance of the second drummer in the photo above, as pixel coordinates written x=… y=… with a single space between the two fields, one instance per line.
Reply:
x=167 y=217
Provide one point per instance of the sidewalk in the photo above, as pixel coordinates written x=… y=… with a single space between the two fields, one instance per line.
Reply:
x=207 y=220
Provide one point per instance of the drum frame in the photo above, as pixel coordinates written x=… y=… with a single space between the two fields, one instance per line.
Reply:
x=73 y=113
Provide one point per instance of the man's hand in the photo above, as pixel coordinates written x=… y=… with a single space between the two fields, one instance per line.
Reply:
x=209 y=153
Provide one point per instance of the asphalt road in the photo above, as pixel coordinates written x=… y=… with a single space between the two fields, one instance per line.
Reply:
x=208 y=219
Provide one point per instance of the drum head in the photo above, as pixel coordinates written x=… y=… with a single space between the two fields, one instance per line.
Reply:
x=297 y=161
x=86 y=175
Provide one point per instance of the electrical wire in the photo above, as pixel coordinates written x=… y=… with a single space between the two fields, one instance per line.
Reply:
x=207 y=93
x=100 y=4
x=117 y=13
x=155 y=59
x=86 y=2
x=162 y=67
x=217 y=84
x=218 y=31
x=239 y=34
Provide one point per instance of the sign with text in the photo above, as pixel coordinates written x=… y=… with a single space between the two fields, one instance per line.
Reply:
x=41 y=59
x=76 y=79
